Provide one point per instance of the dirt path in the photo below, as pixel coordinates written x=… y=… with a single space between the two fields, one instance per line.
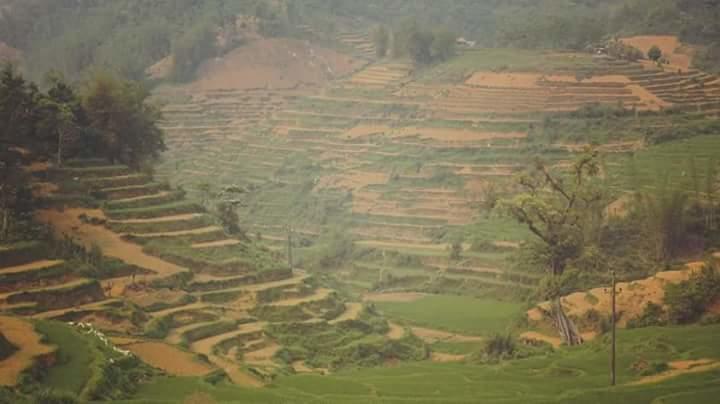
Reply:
x=161 y=194
x=86 y=307
x=319 y=294
x=262 y=357
x=35 y=265
x=176 y=335
x=352 y=312
x=202 y=230
x=396 y=332
x=173 y=310
x=73 y=283
x=205 y=346
x=446 y=357
x=536 y=336
x=678 y=368
x=67 y=222
x=399 y=297
x=22 y=335
x=176 y=218
x=236 y=375
x=213 y=244
x=431 y=336
x=170 y=359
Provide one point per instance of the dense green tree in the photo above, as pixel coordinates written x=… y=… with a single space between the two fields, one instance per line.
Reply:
x=654 y=53
x=119 y=111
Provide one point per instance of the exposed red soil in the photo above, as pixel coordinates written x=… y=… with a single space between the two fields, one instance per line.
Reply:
x=273 y=64
x=679 y=55
x=170 y=359
x=22 y=335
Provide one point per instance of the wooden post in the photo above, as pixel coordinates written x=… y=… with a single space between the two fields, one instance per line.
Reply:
x=613 y=319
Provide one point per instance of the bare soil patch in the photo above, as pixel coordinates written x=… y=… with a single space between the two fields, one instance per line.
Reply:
x=630 y=303
x=352 y=311
x=262 y=357
x=30 y=266
x=399 y=297
x=678 y=368
x=21 y=334
x=213 y=244
x=274 y=64
x=680 y=56
x=68 y=222
x=170 y=359
x=431 y=336
x=396 y=332
x=556 y=342
x=446 y=358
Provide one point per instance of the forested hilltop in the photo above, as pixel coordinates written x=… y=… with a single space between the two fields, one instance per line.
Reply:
x=132 y=35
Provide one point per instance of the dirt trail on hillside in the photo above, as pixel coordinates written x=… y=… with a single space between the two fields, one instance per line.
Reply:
x=263 y=356
x=556 y=342
x=170 y=359
x=67 y=222
x=22 y=335
x=678 y=368
x=440 y=357
x=430 y=336
x=180 y=233
x=319 y=294
x=205 y=346
x=30 y=266
x=396 y=332
x=85 y=307
x=176 y=218
x=213 y=244
x=352 y=312
x=400 y=297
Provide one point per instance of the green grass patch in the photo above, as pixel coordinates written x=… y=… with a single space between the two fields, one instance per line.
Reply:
x=460 y=314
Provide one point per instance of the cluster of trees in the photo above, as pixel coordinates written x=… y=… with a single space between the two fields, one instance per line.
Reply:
x=422 y=45
x=107 y=117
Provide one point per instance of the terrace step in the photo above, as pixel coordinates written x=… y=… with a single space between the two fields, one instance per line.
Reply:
x=31 y=267
x=203 y=230
x=162 y=219
x=219 y=243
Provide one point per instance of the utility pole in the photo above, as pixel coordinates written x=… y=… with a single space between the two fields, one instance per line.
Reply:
x=612 y=357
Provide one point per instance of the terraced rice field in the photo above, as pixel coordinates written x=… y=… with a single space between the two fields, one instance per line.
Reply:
x=236 y=287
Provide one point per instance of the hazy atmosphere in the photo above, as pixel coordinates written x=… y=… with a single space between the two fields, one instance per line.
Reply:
x=360 y=201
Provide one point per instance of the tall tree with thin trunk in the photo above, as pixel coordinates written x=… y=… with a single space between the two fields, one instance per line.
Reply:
x=558 y=208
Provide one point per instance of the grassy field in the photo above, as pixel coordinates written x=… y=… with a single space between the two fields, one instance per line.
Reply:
x=75 y=357
x=460 y=314
x=671 y=162
x=578 y=375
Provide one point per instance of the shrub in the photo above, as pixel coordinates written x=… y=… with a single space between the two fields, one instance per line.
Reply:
x=499 y=347
x=688 y=300
x=654 y=53
x=652 y=315
x=6 y=348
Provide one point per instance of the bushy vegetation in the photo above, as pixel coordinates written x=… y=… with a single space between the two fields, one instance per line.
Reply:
x=688 y=300
x=6 y=348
